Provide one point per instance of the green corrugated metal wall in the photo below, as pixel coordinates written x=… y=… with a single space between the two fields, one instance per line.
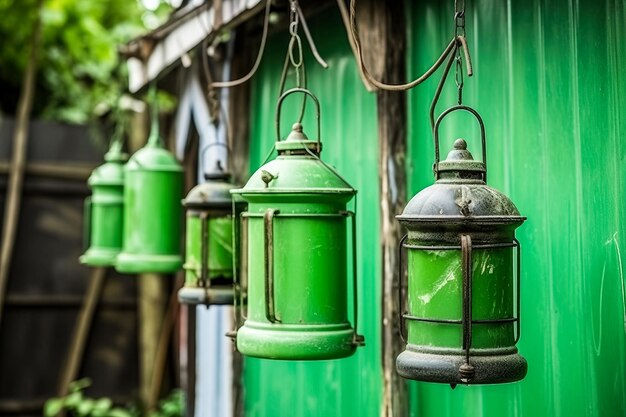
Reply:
x=550 y=85
x=349 y=135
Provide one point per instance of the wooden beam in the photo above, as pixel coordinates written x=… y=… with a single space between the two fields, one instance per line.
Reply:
x=383 y=41
x=65 y=171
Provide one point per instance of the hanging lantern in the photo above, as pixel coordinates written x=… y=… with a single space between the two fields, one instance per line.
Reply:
x=210 y=243
x=463 y=290
x=296 y=242
x=104 y=210
x=153 y=187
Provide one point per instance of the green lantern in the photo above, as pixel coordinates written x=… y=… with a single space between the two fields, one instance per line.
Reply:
x=210 y=241
x=153 y=188
x=295 y=244
x=104 y=210
x=463 y=318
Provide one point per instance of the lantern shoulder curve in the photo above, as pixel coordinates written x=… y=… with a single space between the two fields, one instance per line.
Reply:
x=471 y=200
x=153 y=158
x=296 y=174
x=109 y=173
x=210 y=194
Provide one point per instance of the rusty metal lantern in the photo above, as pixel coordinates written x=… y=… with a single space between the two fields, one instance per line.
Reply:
x=211 y=244
x=463 y=308
x=296 y=251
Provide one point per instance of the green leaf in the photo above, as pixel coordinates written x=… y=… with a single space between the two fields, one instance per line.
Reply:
x=52 y=407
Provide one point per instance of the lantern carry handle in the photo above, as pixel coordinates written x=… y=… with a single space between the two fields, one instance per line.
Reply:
x=317 y=108
x=210 y=145
x=482 y=136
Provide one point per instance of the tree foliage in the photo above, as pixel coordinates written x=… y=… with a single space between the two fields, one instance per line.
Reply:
x=80 y=73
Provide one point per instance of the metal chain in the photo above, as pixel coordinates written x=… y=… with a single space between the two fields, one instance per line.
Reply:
x=294 y=56
x=459 y=31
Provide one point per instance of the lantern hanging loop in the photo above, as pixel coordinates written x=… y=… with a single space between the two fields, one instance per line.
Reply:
x=220 y=166
x=482 y=136
x=457 y=42
x=306 y=93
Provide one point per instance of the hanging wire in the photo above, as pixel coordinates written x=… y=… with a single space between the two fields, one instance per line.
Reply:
x=259 y=57
x=458 y=41
x=299 y=15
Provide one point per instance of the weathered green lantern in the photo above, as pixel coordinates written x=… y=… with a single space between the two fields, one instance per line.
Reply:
x=463 y=291
x=104 y=210
x=211 y=244
x=153 y=188
x=297 y=254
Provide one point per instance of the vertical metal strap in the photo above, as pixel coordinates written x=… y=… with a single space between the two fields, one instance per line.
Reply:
x=466 y=370
x=401 y=304
x=270 y=308
x=243 y=267
x=204 y=250
x=87 y=217
x=357 y=339
x=518 y=278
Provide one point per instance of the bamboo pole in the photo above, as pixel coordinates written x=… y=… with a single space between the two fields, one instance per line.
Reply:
x=81 y=330
x=18 y=161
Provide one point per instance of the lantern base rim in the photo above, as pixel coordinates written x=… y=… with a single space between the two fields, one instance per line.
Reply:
x=131 y=263
x=96 y=256
x=208 y=296
x=296 y=341
x=490 y=366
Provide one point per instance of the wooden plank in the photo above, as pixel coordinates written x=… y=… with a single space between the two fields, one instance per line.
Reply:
x=383 y=40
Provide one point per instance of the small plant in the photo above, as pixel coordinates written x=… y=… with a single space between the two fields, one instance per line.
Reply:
x=76 y=404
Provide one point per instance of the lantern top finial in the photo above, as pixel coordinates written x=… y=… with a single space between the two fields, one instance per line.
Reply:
x=460 y=165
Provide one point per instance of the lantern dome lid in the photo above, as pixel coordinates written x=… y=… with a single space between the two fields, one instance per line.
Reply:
x=460 y=193
x=112 y=171
x=214 y=193
x=153 y=157
x=296 y=170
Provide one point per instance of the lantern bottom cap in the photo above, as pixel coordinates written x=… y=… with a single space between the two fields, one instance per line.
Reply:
x=295 y=341
x=490 y=366
x=132 y=263
x=96 y=256
x=211 y=296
